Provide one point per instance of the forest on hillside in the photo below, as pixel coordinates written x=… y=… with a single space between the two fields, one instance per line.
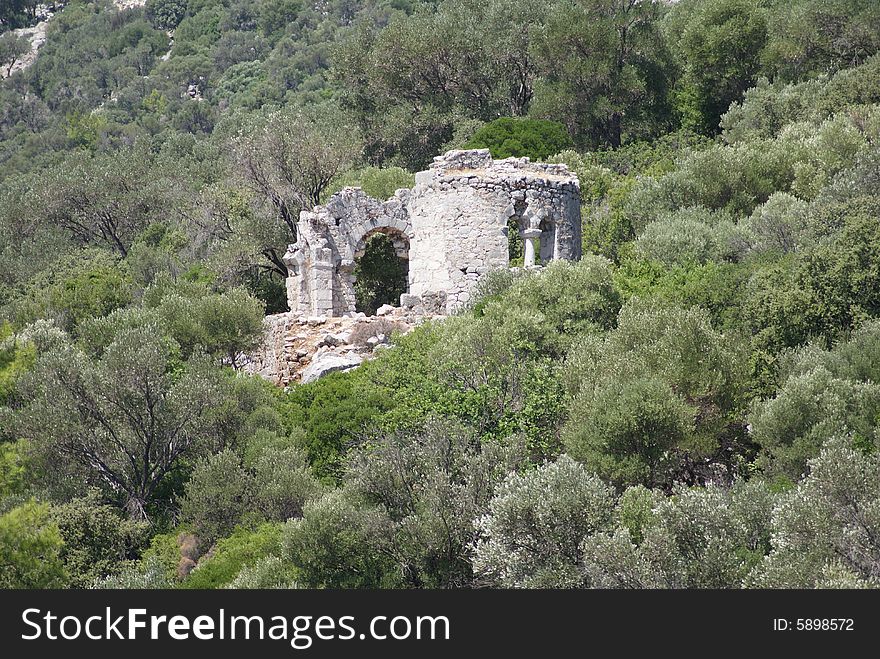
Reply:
x=694 y=404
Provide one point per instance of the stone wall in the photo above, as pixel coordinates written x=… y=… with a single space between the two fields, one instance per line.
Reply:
x=329 y=240
x=452 y=226
x=460 y=210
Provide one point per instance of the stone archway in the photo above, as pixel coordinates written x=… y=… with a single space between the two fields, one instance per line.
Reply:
x=380 y=269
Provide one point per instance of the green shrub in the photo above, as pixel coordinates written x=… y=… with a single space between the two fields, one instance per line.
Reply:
x=30 y=548
x=688 y=236
x=244 y=548
x=331 y=546
x=334 y=412
x=516 y=137
x=532 y=534
x=98 y=540
x=654 y=399
x=379 y=183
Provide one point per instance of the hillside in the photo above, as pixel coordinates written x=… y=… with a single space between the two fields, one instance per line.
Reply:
x=691 y=404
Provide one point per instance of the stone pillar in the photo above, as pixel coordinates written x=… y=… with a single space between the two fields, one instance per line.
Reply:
x=322 y=283
x=345 y=274
x=294 y=293
x=530 y=235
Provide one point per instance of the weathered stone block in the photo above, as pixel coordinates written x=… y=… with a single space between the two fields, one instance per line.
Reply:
x=408 y=301
x=385 y=309
x=327 y=363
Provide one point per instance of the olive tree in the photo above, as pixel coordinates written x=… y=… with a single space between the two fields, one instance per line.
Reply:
x=531 y=536
x=126 y=418
x=697 y=538
x=658 y=399
x=826 y=531
x=289 y=158
x=12 y=48
x=428 y=487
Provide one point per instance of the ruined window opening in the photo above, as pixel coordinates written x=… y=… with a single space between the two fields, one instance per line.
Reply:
x=381 y=272
x=547 y=247
x=515 y=241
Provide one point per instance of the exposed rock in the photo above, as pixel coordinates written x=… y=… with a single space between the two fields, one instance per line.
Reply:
x=290 y=343
x=409 y=301
x=330 y=362
x=37 y=36
x=385 y=309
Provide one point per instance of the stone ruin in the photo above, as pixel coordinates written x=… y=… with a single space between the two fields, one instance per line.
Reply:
x=451 y=228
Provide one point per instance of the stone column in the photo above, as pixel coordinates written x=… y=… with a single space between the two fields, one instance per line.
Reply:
x=346 y=282
x=322 y=283
x=530 y=236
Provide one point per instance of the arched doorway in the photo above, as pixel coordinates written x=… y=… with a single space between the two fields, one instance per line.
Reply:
x=381 y=269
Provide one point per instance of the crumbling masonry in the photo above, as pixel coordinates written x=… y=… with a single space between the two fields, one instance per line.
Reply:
x=452 y=227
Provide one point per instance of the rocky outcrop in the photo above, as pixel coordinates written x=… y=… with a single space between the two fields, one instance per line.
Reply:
x=302 y=349
x=37 y=37
x=37 y=33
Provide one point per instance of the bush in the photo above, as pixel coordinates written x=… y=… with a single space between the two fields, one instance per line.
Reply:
x=532 y=534
x=30 y=548
x=828 y=289
x=268 y=572
x=333 y=412
x=543 y=314
x=825 y=530
x=165 y=14
x=332 y=546
x=697 y=538
x=821 y=394
x=779 y=225
x=428 y=486
x=90 y=285
x=98 y=540
x=658 y=399
x=516 y=137
x=244 y=548
x=218 y=494
x=379 y=183
x=283 y=483
x=687 y=236
x=148 y=575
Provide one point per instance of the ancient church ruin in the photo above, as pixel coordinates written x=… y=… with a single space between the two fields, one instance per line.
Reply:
x=454 y=226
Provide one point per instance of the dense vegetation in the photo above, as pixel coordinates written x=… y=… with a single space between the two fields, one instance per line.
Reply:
x=694 y=404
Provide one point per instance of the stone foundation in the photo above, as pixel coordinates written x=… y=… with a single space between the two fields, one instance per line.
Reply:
x=303 y=349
